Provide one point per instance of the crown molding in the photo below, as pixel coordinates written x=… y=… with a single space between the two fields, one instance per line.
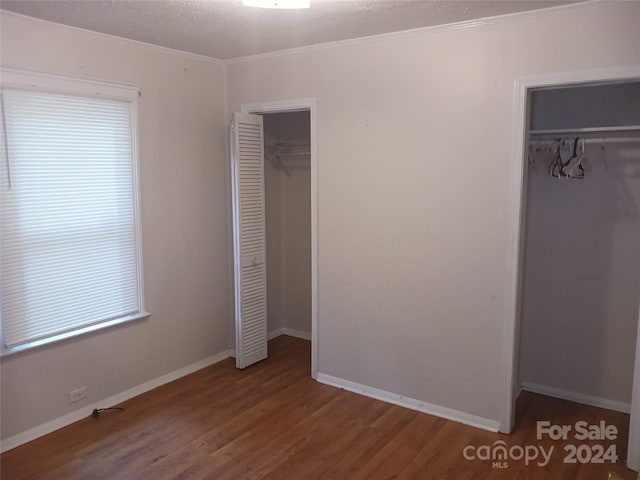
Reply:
x=115 y=38
x=497 y=19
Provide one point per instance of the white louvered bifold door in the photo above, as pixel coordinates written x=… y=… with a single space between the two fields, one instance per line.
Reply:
x=249 y=239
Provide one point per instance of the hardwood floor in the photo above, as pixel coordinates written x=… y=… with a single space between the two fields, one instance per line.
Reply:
x=272 y=421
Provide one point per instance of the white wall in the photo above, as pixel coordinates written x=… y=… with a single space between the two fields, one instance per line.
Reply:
x=414 y=153
x=582 y=264
x=185 y=224
x=288 y=211
x=273 y=179
x=296 y=249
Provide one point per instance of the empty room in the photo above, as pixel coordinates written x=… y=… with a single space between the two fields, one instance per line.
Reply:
x=333 y=239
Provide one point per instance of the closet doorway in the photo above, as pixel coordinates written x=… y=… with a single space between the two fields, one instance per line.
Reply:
x=574 y=304
x=275 y=260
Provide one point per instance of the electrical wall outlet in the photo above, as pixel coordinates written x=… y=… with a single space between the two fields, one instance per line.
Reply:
x=77 y=395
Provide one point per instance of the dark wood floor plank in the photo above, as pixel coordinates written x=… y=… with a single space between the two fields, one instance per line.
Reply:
x=272 y=421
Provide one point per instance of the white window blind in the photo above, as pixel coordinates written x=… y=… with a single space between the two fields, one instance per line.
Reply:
x=70 y=253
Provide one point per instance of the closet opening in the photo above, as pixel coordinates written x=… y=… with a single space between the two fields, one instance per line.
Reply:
x=274 y=227
x=578 y=279
x=287 y=178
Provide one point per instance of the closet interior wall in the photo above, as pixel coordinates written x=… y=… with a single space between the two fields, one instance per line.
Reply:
x=288 y=222
x=581 y=279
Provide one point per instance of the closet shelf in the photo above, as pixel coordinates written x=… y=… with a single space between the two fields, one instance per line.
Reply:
x=588 y=140
x=288 y=149
x=621 y=130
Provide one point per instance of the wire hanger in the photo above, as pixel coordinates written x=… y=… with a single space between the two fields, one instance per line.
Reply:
x=277 y=161
x=571 y=168
x=555 y=167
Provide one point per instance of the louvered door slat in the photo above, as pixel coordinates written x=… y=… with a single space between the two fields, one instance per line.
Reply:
x=249 y=239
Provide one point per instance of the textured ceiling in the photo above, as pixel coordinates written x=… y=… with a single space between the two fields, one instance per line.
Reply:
x=226 y=29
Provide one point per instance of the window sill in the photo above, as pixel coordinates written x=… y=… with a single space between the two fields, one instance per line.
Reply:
x=5 y=351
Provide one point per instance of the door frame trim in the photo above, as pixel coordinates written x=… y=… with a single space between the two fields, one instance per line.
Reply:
x=293 y=105
x=515 y=243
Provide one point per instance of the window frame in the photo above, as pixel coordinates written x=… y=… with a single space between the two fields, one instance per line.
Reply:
x=32 y=81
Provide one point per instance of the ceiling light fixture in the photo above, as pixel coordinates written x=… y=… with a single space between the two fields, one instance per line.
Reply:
x=277 y=3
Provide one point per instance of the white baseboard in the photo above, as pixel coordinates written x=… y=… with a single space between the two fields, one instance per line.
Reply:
x=290 y=332
x=420 y=406
x=519 y=392
x=296 y=333
x=577 y=397
x=276 y=333
x=84 y=412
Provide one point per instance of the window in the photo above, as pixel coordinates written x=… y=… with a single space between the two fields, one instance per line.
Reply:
x=70 y=250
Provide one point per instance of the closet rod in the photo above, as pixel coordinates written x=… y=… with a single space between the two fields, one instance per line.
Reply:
x=563 y=131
